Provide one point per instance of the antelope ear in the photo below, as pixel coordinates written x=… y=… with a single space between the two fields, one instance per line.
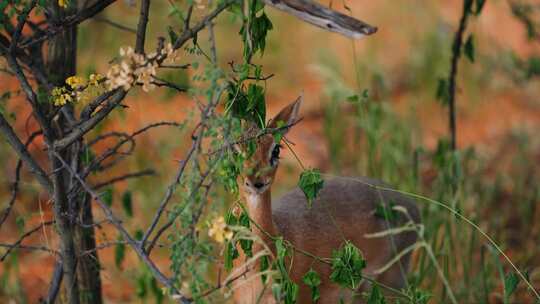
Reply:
x=287 y=116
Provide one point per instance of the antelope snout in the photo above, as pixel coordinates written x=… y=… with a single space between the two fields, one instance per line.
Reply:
x=258 y=185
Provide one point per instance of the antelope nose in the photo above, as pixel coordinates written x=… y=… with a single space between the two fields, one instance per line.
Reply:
x=258 y=185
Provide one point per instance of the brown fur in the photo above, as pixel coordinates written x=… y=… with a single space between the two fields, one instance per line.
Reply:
x=348 y=203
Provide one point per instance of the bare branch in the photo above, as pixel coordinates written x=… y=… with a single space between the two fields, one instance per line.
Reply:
x=68 y=22
x=22 y=21
x=120 y=178
x=141 y=27
x=165 y=83
x=172 y=187
x=115 y=24
x=15 y=187
x=189 y=33
x=29 y=247
x=17 y=244
x=166 y=66
x=168 y=194
x=56 y=281
x=323 y=17
x=30 y=95
x=129 y=239
x=87 y=125
x=23 y=154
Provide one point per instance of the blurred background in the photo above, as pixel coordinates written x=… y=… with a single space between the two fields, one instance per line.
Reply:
x=396 y=131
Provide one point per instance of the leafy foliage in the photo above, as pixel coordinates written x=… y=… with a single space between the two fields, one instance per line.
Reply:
x=231 y=253
x=468 y=48
x=311 y=183
x=386 y=211
x=127 y=203
x=247 y=104
x=119 y=252
x=375 y=296
x=313 y=280
x=107 y=196
x=511 y=282
x=347 y=266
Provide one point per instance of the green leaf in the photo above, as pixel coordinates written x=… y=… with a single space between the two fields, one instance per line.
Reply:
x=353 y=98
x=138 y=234
x=265 y=264
x=88 y=156
x=375 y=296
x=467 y=6
x=347 y=266
x=469 y=48
x=158 y=293
x=20 y=222
x=276 y=291
x=172 y=34
x=245 y=244
x=290 y=290
x=127 y=204
x=119 y=253
x=107 y=196
x=386 y=211
x=442 y=91
x=230 y=255
x=533 y=66
x=140 y=289
x=311 y=184
x=511 y=282
x=313 y=280
x=247 y=104
x=479 y=6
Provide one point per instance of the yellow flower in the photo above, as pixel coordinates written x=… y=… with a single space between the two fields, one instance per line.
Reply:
x=94 y=79
x=75 y=82
x=219 y=231
x=60 y=96
x=63 y=3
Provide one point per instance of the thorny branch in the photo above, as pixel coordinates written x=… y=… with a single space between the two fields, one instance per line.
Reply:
x=129 y=239
x=17 y=243
x=15 y=186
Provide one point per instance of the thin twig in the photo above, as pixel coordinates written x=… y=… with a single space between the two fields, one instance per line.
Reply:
x=456 y=54
x=165 y=83
x=22 y=21
x=115 y=24
x=25 y=235
x=29 y=247
x=15 y=186
x=23 y=154
x=129 y=239
x=120 y=178
x=68 y=22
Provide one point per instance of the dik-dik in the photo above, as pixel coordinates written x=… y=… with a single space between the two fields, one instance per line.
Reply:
x=344 y=209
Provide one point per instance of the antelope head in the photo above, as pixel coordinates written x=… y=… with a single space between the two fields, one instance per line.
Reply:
x=263 y=156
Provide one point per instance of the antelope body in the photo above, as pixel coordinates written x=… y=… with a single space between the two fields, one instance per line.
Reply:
x=345 y=209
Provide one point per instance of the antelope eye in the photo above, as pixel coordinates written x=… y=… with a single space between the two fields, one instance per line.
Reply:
x=274 y=157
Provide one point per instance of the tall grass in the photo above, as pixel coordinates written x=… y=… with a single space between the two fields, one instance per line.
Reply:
x=468 y=256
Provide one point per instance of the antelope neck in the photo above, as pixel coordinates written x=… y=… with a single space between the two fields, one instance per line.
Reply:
x=259 y=207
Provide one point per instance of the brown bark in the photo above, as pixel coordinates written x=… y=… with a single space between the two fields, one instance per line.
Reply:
x=81 y=275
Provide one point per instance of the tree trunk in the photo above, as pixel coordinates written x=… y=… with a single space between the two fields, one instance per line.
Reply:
x=89 y=266
x=82 y=281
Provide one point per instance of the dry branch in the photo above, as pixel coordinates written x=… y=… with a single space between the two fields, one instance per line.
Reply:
x=323 y=17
